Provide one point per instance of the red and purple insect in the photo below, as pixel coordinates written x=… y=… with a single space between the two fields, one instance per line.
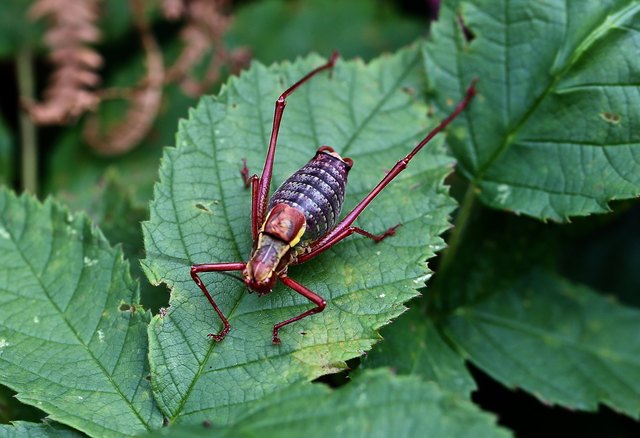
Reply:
x=300 y=220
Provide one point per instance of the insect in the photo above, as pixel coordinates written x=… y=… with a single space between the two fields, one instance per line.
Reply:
x=300 y=220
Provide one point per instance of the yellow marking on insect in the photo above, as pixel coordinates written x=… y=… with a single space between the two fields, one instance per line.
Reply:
x=296 y=239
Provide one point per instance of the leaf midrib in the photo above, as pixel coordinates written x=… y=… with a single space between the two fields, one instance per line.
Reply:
x=608 y=24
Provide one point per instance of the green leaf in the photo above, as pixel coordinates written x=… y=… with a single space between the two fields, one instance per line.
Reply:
x=201 y=213
x=72 y=337
x=505 y=310
x=110 y=204
x=376 y=404
x=413 y=344
x=284 y=29
x=558 y=340
x=21 y=429
x=555 y=129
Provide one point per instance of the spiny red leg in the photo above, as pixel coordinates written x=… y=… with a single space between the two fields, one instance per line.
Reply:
x=265 y=178
x=255 y=221
x=245 y=174
x=342 y=229
x=252 y=181
x=215 y=267
x=316 y=299
x=346 y=233
x=376 y=237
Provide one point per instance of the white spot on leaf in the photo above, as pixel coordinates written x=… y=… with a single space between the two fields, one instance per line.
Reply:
x=100 y=335
x=36 y=320
x=88 y=262
x=504 y=191
x=3 y=343
x=4 y=234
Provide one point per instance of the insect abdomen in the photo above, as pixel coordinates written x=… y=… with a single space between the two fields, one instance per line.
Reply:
x=317 y=190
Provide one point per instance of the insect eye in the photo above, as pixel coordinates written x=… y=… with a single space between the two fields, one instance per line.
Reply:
x=325 y=149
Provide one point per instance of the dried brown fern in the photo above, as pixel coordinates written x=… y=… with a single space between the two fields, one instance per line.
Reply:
x=72 y=87
x=71 y=90
x=206 y=22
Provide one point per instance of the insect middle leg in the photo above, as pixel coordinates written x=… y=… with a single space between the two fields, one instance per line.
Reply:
x=316 y=299
x=215 y=267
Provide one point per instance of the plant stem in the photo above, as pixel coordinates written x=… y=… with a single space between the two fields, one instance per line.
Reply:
x=462 y=218
x=27 y=128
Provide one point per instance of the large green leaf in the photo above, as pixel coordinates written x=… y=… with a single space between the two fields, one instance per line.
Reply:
x=555 y=130
x=72 y=336
x=376 y=404
x=201 y=212
x=530 y=328
x=413 y=344
x=558 y=340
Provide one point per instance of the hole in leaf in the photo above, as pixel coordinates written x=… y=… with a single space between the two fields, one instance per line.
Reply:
x=124 y=307
x=202 y=207
x=409 y=90
x=466 y=32
x=612 y=118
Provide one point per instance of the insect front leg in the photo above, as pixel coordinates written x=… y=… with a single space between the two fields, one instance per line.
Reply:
x=215 y=267
x=316 y=299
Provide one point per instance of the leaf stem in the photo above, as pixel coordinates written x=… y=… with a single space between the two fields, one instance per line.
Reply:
x=28 y=137
x=460 y=224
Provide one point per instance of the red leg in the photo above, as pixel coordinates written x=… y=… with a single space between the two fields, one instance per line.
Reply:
x=255 y=221
x=265 y=178
x=376 y=237
x=245 y=174
x=216 y=267
x=252 y=181
x=346 y=233
x=316 y=299
x=342 y=229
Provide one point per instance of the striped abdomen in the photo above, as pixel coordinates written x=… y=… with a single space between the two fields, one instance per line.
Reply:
x=317 y=190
